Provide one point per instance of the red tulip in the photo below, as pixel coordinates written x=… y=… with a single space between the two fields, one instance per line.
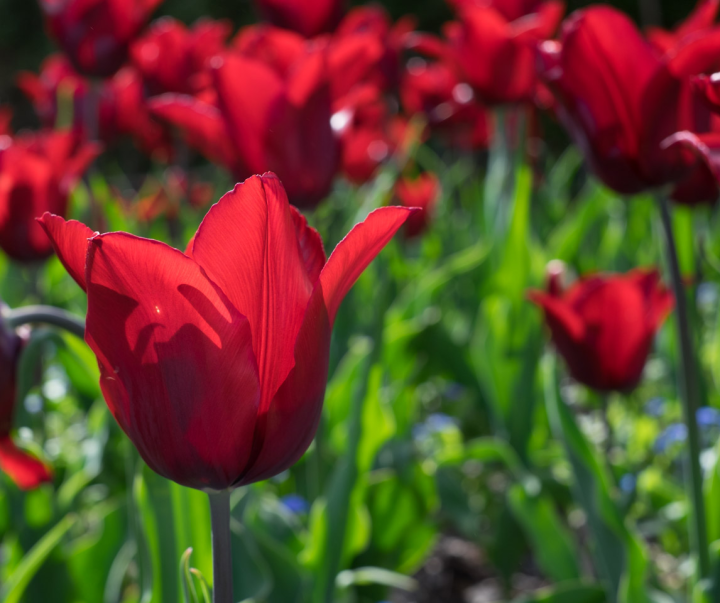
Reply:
x=264 y=121
x=432 y=86
x=704 y=146
x=603 y=326
x=124 y=111
x=121 y=105
x=214 y=362
x=57 y=77
x=24 y=469
x=174 y=58
x=620 y=101
x=95 y=34
x=496 y=54
x=364 y=127
x=307 y=18
x=374 y=20
x=278 y=48
x=421 y=192
x=699 y=21
x=37 y=172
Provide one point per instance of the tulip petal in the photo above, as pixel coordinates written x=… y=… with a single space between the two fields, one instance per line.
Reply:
x=203 y=125
x=248 y=101
x=288 y=426
x=311 y=246
x=247 y=244
x=70 y=241
x=559 y=312
x=24 y=469
x=177 y=366
x=355 y=252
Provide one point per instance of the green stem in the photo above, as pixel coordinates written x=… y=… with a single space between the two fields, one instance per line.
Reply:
x=222 y=551
x=689 y=394
x=610 y=438
x=48 y=315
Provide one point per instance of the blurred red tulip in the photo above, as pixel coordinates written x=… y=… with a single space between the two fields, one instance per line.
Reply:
x=604 y=326
x=278 y=48
x=432 y=86
x=22 y=468
x=124 y=111
x=307 y=18
x=620 y=101
x=263 y=121
x=375 y=20
x=95 y=34
x=214 y=362
x=700 y=20
x=422 y=192
x=362 y=123
x=497 y=54
x=174 y=58
x=37 y=173
x=56 y=78
x=121 y=105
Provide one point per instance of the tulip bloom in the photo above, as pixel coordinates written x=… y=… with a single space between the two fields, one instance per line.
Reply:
x=214 y=362
x=374 y=20
x=422 y=192
x=264 y=121
x=620 y=102
x=95 y=34
x=431 y=85
x=37 y=173
x=603 y=326
x=57 y=77
x=124 y=111
x=172 y=58
x=306 y=18
x=496 y=54
x=699 y=21
x=24 y=469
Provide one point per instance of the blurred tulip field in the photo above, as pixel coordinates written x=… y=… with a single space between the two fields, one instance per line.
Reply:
x=325 y=302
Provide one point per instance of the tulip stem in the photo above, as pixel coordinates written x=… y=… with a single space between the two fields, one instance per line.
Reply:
x=222 y=551
x=48 y=315
x=689 y=394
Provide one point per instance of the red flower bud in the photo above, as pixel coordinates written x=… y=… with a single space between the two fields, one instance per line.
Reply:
x=603 y=326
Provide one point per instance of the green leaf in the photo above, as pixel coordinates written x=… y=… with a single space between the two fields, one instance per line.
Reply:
x=31 y=562
x=620 y=556
x=570 y=592
x=552 y=544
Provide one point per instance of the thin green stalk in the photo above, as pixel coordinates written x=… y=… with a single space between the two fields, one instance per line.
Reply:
x=48 y=315
x=689 y=394
x=222 y=551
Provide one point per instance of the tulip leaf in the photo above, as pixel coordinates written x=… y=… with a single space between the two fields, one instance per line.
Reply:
x=91 y=557
x=12 y=591
x=567 y=592
x=619 y=553
x=551 y=542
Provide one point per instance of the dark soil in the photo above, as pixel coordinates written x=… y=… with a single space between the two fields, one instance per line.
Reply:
x=458 y=572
